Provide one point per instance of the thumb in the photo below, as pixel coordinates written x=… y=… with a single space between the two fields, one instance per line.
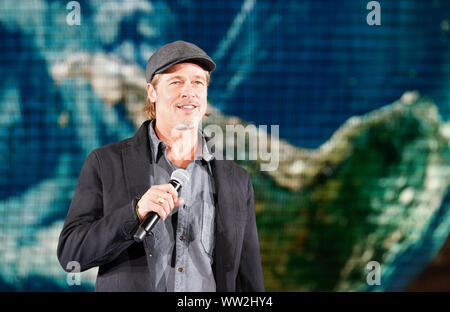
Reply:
x=179 y=202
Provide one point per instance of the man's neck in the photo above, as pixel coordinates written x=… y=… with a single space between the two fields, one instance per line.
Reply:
x=181 y=144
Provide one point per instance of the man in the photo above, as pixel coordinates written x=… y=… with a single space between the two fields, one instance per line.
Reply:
x=206 y=239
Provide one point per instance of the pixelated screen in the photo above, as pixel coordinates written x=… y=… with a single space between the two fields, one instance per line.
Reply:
x=360 y=91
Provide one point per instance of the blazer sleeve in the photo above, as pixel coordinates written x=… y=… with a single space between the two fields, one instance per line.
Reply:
x=250 y=277
x=88 y=236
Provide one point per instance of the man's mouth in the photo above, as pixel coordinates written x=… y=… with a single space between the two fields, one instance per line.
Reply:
x=187 y=107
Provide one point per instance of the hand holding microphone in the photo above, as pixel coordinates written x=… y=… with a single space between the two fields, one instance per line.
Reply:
x=159 y=201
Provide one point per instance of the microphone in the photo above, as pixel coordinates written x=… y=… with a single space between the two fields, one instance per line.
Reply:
x=178 y=178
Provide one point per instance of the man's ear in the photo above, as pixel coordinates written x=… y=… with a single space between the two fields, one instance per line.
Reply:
x=151 y=92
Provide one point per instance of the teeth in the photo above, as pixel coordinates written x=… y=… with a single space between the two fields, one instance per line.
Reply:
x=188 y=106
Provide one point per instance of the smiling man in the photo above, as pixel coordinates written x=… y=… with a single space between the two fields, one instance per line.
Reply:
x=207 y=238
x=179 y=97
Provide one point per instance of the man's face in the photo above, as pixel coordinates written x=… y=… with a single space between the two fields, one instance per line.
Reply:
x=180 y=96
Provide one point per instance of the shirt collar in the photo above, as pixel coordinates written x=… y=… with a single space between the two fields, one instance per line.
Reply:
x=158 y=146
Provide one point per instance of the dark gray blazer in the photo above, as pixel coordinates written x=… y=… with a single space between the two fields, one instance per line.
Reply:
x=101 y=221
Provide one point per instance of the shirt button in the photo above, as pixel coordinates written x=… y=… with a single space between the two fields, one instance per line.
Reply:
x=180 y=269
x=182 y=237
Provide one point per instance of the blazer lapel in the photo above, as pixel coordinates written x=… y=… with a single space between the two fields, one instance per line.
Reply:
x=226 y=235
x=136 y=163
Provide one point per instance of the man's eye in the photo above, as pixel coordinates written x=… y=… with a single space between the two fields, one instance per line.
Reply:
x=198 y=82
x=175 y=83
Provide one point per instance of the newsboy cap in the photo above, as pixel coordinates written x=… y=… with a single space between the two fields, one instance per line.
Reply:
x=174 y=53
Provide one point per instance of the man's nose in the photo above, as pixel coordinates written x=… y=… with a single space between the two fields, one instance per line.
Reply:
x=188 y=91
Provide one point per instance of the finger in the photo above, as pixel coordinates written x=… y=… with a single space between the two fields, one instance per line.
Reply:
x=149 y=206
x=164 y=195
x=159 y=210
x=163 y=204
x=169 y=189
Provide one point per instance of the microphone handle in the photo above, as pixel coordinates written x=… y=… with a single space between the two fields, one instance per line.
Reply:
x=151 y=219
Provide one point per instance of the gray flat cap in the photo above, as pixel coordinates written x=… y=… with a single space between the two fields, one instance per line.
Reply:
x=174 y=53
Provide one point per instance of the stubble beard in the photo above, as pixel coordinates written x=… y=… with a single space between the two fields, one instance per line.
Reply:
x=185 y=125
x=188 y=123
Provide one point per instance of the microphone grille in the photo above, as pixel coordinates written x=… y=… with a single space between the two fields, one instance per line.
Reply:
x=181 y=175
